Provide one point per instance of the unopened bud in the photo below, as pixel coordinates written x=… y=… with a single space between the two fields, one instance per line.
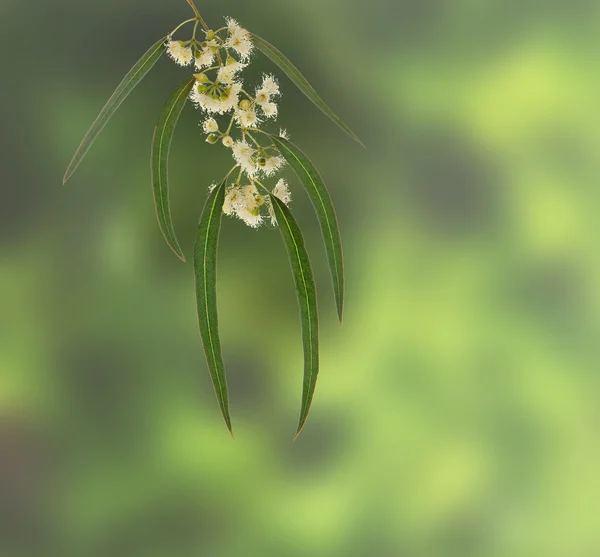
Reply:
x=261 y=162
x=245 y=104
x=210 y=35
x=212 y=139
x=201 y=77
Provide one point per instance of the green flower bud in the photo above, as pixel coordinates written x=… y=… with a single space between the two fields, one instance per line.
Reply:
x=261 y=162
x=210 y=35
x=201 y=77
x=212 y=139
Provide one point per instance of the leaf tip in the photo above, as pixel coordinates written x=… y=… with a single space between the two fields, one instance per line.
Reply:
x=355 y=137
x=67 y=175
x=175 y=249
x=227 y=419
x=300 y=427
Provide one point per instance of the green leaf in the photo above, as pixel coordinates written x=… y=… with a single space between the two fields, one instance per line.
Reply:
x=300 y=81
x=130 y=81
x=205 y=267
x=161 y=145
x=307 y=299
x=321 y=200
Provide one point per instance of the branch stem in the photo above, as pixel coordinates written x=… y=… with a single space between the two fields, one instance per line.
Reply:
x=198 y=16
x=180 y=26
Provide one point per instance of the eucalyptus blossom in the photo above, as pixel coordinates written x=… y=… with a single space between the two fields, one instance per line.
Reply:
x=236 y=117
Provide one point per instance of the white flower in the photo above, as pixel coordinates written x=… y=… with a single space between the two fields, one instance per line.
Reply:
x=181 y=54
x=262 y=97
x=268 y=89
x=247 y=118
x=264 y=94
x=272 y=165
x=233 y=200
x=232 y=24
x=269 y=203
x=227 y=141
x=233 y=97
x=239 y=39
x=210 y=125
x=244 y=155
x=284 y=134
x=204 y=58
x=243 y=203
x=250 y=192
x=270 y=86
x=251 y=216
x=282 y=191
x=219 y=103
x=270 y=110
x=227 y=74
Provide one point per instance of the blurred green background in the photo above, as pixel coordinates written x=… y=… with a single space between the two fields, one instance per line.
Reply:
x=456 y=412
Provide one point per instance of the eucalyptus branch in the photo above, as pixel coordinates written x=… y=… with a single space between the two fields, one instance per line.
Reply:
x=216 y=87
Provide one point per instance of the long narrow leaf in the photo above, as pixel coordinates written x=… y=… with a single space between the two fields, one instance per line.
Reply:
x=130 y=81
x=161 y=145
x=321 y=200
x=205 y=267
x=307 y=300
x=277 y=57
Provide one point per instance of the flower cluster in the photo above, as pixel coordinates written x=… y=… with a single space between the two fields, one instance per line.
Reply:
x=219 y=90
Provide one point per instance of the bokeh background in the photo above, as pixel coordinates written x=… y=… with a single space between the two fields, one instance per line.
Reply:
x=456 y=412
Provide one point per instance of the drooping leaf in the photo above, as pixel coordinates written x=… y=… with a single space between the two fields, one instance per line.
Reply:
x=321 y=200
x=161 y=145
x=271 y=52
x=307 y=300
x=130 y=81
x=205 y=267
